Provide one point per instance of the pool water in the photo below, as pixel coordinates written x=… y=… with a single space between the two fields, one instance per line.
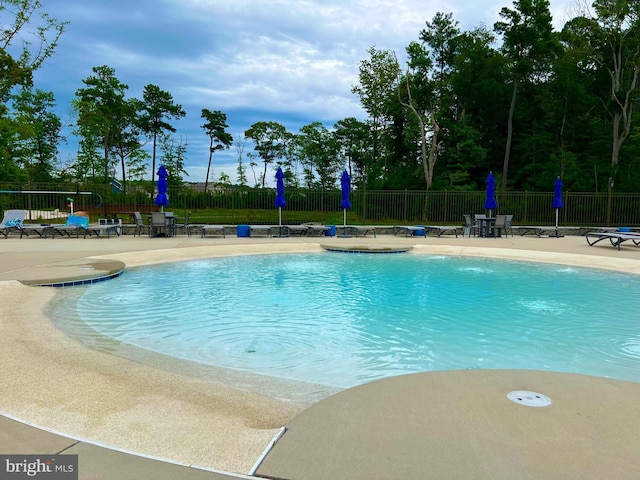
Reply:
x=342 y=320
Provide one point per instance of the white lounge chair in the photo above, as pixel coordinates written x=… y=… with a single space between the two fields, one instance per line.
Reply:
x=104 y=226
x=75 y=224
x=204 y=229
x=40 y=229
x=409 y=230
x=11 y=221
x=441 y=229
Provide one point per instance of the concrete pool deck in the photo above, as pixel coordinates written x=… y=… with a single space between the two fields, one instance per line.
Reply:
x=406 y=427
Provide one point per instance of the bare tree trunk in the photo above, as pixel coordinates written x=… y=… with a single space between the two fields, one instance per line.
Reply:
x=507 y=148
x=124 y=178
x=153 y=161
x=616 y=140
x=264 y=175
x=427 y=163
x=105 y=145
x=434 y=148
x=206 y=180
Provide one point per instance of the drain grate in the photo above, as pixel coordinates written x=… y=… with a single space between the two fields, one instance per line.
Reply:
x=529 y=399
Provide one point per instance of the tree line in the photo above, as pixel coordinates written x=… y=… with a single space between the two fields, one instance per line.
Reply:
x=520 y=99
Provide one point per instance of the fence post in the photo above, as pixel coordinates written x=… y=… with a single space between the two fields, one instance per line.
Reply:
x=609 y=188
x=406 y=199
x=364 y=204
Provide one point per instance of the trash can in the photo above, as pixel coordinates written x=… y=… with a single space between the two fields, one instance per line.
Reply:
x=243 y=231
x=331 y=232
x=419 y=232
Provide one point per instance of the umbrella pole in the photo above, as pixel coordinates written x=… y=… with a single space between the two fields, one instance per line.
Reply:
x=557 y=235
x=345 y=221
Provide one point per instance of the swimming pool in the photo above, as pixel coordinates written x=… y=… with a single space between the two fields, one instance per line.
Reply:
x=342 y=320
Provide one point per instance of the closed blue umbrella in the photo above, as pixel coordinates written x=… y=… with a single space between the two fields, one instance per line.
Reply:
x=280 y=201
x=345 y=203
x=162 y=199
x=490 y=202
x=557 y=200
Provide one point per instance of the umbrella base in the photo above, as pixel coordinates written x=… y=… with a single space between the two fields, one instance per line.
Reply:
x=556 y=235
x=344 y=231
x=283 y=232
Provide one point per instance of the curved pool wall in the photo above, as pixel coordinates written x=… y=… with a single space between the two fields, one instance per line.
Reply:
x=321 y=323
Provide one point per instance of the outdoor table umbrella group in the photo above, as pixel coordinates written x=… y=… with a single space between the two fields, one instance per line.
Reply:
x=557 y=202
x=162 y=199
x=490 y=203
x=345 y=203
x=280 y=200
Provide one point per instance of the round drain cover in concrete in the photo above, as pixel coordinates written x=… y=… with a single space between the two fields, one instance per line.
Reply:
x=529 y=399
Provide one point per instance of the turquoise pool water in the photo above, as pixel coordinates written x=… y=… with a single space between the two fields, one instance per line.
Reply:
x=343 y=320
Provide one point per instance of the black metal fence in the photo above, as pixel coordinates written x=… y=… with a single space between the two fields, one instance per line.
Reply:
x=244 y=205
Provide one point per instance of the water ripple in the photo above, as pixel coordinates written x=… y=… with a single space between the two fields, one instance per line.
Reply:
x=346 y=319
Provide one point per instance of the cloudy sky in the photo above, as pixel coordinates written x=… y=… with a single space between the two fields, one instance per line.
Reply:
x=289 y=61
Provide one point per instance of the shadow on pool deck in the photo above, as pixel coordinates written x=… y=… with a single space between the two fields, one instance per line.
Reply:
x=444 y=425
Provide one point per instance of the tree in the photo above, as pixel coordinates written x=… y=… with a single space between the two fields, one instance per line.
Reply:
x=318 y=151
x=126 y=145
x=173 y=156
x=529 y=44
x=478 y=81
x=610 y=39
x=33 y=47
x=155 y=109
x=270 y=140
x=433 y=64
x=27 y=38
x=354 y=137
x=102 y=110
x=404 y=89
x=240 y=143
x=219 y=139
x=440 y=37
x=39 y=132
x=88 y=160
x=376 y=88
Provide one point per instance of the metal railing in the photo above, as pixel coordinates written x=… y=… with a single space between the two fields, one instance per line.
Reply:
x=402 y=207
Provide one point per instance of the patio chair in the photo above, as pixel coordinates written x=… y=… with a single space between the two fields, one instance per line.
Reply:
x=507 y=225
x=467 y=226
x=187 y=225
x=479 y=225
x=139 y=225
x=158 y=225
x=503 y=222
x=12 y=220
